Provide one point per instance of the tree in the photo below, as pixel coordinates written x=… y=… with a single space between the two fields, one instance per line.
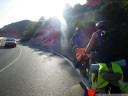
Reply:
x=42 y=19
x=115 y=13
x=29 y=33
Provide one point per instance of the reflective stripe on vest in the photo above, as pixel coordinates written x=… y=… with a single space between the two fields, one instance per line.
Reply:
x=123 y=84
x=100 y=82
x=93 y=85
x=79 y=55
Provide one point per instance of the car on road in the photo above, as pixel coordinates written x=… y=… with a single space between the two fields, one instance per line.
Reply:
x=10 y=42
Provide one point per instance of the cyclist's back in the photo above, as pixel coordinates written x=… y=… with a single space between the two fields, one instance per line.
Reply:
x=80 y=39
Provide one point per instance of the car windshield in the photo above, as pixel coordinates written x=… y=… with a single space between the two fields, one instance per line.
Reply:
x=10 y=39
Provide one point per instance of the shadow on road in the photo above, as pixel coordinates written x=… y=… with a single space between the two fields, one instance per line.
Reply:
x=2 y=47
x=42 y=51
x=66 y=66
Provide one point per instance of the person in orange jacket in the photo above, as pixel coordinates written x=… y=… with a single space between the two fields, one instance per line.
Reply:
x=80 y=41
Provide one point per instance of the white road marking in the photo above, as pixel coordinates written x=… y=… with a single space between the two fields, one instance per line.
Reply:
x=13 y=61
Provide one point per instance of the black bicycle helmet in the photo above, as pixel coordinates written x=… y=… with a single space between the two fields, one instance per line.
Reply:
x=79 y=29
x=100 y=25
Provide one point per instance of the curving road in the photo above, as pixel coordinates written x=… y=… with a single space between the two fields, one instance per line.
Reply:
x=31 y=71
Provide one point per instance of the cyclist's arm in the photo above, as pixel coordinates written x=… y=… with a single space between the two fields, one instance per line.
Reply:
x=91 y=42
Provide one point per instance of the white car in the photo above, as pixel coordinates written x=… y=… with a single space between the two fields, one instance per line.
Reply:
x=10 y=42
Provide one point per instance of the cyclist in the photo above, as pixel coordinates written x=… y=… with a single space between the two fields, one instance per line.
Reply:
x=80 y=41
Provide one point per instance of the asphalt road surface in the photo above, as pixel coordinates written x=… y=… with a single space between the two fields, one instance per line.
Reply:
x=31 y=71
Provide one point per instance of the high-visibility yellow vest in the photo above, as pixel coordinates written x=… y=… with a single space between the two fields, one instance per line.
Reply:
x=101 y=83
x=122 y=85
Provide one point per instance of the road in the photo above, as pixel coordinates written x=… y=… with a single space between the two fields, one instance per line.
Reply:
x=32 y=71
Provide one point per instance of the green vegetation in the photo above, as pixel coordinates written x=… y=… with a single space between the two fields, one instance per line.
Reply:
x=26 y=36
x=117 y=20
x=114 y=12
x=33 y=31
x=78 y=16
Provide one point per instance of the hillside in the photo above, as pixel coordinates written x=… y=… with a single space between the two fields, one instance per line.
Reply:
x=15 y=29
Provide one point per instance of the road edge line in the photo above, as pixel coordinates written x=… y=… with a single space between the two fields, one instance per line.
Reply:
x=12 y=61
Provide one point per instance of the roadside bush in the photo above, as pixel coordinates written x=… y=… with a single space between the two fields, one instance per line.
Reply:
x=29 y=33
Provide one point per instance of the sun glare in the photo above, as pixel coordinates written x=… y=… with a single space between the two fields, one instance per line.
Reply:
x=34 y=9
x=47 y=8
x=52 y=8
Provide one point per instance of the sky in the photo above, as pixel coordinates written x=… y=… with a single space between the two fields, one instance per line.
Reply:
x=17 y=10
